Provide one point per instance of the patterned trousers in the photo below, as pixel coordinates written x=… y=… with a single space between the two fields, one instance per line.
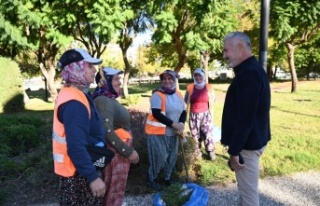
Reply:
x=75 y=191
x=115 y=177
x=201 y=129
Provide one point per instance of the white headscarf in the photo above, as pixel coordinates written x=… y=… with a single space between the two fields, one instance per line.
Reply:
x=203 y=83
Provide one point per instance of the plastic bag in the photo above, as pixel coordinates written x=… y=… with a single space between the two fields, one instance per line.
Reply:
x=199 y=196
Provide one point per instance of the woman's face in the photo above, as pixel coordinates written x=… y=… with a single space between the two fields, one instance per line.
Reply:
x=116 y=83
x=198 y=78
x=167 y=81
x=90 y=73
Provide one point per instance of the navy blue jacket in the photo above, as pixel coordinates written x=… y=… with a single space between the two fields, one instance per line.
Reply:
x=81 y=131
x=246 y=112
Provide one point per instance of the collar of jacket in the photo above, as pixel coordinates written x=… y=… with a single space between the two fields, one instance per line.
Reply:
x=244 y=65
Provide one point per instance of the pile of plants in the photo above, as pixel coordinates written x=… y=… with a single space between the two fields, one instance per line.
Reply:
x=175 y=195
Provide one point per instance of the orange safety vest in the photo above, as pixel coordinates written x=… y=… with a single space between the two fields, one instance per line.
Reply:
x=153 y=126
x=62 y=163
x=190 y=88
x=123 y=134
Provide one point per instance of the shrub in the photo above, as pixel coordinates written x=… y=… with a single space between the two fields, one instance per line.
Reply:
x=138 y=120
x=133 y=99
x=20 y=136
x=11 y=88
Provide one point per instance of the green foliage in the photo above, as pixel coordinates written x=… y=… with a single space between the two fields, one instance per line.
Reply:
x=11 y=89
x=294 y=21
x=21 y=137
x=133 y=99
x=25 y=153
x=19 y=134
x=307 y=58
x=175 y=195
x=194 y=26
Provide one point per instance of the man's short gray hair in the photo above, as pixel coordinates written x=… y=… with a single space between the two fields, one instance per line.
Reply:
x=239 y=36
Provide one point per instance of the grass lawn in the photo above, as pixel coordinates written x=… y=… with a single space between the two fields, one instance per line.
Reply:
x=295 y=120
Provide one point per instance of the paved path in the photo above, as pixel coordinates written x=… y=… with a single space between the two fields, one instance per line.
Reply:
x=300 y=189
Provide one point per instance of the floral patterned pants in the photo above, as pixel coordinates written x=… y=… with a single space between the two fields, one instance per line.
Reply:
x=75 y=191
x=115 y=177
x=201 y=129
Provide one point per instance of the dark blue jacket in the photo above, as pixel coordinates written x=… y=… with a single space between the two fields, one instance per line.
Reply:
x=246 y=112
x=81 y=131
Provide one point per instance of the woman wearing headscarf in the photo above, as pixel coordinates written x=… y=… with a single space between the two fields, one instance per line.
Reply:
x=199 y=98
x=117 y=123
x=76 y=125
x=166 y=118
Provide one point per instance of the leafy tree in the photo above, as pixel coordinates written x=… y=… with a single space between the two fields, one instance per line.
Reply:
x=277 y=58
x=293 y=24
x=308 y=59
x=194 y=26
x=93 y=23
x=37 y=23
x=138 y=19
x=12 y=38
x=143 y=65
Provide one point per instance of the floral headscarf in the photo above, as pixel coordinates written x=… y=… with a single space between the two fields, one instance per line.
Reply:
x=74 y=75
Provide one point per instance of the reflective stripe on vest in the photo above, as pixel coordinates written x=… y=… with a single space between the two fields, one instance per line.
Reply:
x=153 y=126
x=62 y=163
x=59 y=139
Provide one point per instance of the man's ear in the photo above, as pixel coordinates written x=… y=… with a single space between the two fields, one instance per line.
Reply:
x=241 y=47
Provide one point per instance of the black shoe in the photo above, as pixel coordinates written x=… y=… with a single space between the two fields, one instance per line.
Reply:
x=155 y=185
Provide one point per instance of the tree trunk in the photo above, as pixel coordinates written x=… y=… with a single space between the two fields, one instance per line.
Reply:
x=182 y=61
x=275 y=72
x=269 y=72
x=294 y=78
x=126 y=73
x=205 y=57
x=49 y=75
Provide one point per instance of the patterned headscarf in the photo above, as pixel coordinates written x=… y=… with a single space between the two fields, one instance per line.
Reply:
x=74 y=75
x=105 y=87
x=163 y=88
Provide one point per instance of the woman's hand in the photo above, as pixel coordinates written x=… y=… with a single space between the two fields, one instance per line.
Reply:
x=178 y=126
x=98 y=187
x=134 y=157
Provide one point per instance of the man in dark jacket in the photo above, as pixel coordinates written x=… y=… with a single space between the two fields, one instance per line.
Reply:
x=246 y=115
